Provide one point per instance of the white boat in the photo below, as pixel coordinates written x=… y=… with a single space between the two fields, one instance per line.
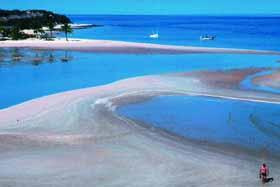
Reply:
x=207 y=38
x=154 y=36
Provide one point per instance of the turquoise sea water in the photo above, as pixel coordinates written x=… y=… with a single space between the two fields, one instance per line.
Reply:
x=247 y=124
x=28 y=78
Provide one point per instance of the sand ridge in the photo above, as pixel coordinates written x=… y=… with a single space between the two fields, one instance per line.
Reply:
x=109 y=46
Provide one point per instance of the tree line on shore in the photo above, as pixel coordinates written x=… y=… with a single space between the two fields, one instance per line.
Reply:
x=13 y=22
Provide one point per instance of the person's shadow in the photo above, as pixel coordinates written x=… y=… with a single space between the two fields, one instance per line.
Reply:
x=267 y=180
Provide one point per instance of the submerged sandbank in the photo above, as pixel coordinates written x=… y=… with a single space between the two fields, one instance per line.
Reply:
x=76 y=138
x=107 y=46
x=271 y=80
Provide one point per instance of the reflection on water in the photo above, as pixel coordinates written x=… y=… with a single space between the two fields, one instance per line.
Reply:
x=37 y=59
x=246 y=124
x=15 y=56
x=67 y=57
x=51 y=58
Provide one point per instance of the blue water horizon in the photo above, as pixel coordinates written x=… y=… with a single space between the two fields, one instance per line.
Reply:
x=238 y=31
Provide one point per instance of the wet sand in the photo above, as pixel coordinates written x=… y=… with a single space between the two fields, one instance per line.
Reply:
x=107 y=46
x=272 y=80
x=223 y=79
x=76 y=138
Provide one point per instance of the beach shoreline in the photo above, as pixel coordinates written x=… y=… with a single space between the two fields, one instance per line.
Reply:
x=110 y=46
x=85 y=120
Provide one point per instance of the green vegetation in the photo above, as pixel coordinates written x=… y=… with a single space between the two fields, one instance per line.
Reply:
x=2 y=32
x=51 y=24
x=38 y=32
x=31 y=18
x=13 y=22
x=66 y=28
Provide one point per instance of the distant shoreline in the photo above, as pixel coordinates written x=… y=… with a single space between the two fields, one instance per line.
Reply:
x=190 y=15
x=110 y=46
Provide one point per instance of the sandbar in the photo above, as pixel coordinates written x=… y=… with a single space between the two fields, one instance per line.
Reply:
x=272 y=80
x=108 y=46
x=76 y=138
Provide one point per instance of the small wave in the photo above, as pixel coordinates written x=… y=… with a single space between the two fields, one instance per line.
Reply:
x=266 y=127
x=105 y=102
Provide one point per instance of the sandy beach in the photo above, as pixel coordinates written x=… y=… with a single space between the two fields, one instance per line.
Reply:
x=76 y=138
x=108 y=46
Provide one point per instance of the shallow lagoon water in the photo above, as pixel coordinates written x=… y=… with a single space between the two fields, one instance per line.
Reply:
x=246 y=124
x=248 y=83
x=40 y=73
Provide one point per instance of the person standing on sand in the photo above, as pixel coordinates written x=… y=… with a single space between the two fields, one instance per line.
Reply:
x=264 y=172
